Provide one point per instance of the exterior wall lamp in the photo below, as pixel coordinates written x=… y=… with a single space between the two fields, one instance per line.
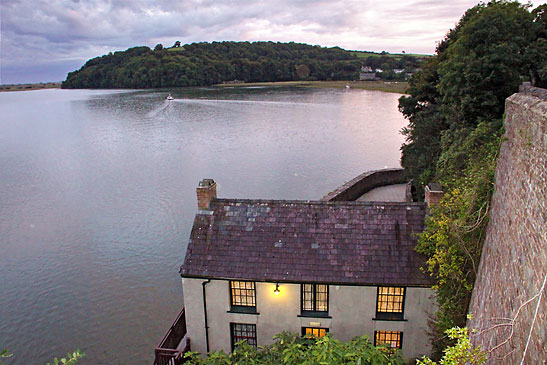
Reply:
x=276 y=290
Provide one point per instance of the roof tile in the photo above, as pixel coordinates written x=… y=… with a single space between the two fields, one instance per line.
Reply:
x=303 y=241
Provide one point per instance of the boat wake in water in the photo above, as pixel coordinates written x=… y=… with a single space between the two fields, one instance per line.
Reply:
x=164 y=106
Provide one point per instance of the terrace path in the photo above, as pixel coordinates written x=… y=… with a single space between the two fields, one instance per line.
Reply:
x=388 y=193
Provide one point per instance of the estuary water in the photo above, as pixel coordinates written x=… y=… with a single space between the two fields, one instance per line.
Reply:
x=97 y=197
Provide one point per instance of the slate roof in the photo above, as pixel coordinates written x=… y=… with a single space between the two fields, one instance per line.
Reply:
x=355 y=243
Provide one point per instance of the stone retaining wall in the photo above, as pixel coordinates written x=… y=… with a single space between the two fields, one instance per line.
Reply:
x=365 y=182
x=513 y=265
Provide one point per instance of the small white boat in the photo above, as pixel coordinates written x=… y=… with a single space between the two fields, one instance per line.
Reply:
x=347 y=86
x=169 y=97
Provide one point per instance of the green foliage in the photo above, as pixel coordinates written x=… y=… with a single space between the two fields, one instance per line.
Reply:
x=483 y=64
x=454 y=234
x=204 y=63
x=4 y=354
x=455 y=107
x=536 y=51
x=462 y=352
x=71 y=358
x=477 y=66
x=290 y=348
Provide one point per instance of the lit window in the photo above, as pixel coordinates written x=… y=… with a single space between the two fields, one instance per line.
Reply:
x=314 y=331
x=391 y=339
x=315 y=298
x=390 y=302
x=243 y=332
x=243 y=296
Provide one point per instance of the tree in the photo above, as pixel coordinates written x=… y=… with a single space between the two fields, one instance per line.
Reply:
x=302 y=71
x=483 y=65
x=455 y=107
x=209 y=63
x=177 y=44
x=158 y=47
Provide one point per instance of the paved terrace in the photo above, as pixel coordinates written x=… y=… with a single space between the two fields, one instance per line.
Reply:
x=388 y=193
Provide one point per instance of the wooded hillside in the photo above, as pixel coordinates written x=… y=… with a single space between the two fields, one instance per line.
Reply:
x=200 y=64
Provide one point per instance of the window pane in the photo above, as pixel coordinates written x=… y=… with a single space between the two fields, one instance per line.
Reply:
x=242 y=331
x=388 y=338
x=390 y=299
x=307 y=297
x=315 y=297
x=243 y=293
x=321 y=304
x=314 y=331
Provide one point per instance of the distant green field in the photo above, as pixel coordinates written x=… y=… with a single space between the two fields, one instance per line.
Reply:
x=26 y=87
x=396 y=56
x=386 y=86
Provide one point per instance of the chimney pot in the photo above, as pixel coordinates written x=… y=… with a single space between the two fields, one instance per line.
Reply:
x=433 y=194
x=206 y=191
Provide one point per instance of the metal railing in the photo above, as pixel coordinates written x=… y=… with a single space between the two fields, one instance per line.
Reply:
x=170 y=350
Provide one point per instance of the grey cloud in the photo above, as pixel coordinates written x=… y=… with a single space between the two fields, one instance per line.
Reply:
x=35 y=31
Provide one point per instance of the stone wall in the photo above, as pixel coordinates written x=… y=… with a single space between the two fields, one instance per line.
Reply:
x=365 y=182
x=513 y=266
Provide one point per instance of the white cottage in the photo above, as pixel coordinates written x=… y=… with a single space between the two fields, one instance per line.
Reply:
x=255 y=268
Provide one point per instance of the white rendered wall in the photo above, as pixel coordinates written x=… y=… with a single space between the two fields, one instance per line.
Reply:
x=352 y=310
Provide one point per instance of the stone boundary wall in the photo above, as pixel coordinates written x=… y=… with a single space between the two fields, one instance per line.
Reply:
x=365 y=182
x=513 y=265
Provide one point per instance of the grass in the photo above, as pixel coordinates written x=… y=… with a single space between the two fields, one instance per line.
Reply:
x=396 y=56
x=386 y=86
x=27 y=87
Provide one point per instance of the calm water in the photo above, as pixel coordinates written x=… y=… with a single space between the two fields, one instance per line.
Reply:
x=97 y=197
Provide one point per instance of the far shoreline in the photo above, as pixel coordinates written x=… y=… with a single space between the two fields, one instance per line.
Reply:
x=30 y=87
x=397 y=87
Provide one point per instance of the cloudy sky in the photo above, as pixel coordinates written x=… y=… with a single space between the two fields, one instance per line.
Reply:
x=42 y=40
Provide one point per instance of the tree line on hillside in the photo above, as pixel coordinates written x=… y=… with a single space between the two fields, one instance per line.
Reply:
x=199 y=64
x=455 y=106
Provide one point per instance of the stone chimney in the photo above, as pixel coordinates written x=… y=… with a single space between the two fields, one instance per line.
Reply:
x=433 y=194
x=206 y=191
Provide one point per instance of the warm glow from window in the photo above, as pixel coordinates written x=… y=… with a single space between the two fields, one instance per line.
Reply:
x=315 y=297
x=390 y=299
x=317 y=332
x=391 y=339
x=243 y=293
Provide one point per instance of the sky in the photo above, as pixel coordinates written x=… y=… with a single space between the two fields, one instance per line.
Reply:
x=43 y=40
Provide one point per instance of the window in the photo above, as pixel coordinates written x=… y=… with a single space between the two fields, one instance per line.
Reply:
x=390 y=303
x=391 y=339
x=243 y=296
x=315 y=299
x=315 y=331
x=243 y=331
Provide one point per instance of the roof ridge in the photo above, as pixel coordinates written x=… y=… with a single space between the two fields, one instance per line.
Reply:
x=314 y=202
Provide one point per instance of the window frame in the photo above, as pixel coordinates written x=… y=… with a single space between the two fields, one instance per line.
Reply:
x=314 y=328
x=242 y=308
x=400 y=339
x=390 y=316
x=314 y=312
x=233 y=337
